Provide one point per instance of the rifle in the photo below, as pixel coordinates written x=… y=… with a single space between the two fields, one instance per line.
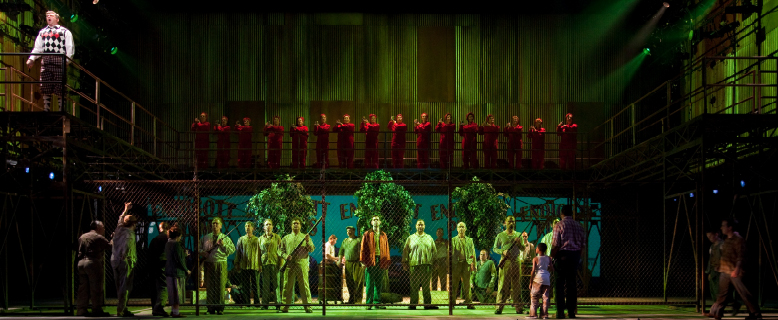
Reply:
x=503 y=259
x=283 y=268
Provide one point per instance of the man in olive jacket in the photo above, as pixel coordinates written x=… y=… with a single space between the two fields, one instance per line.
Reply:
x=374 y=257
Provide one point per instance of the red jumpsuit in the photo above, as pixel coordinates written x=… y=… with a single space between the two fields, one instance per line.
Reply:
x=244 y=146
x=514 y=146
x=538 y=139
x=489 y=146
x=202 y=141
x=299 y=136
x=569 y=137
x=446 y=147
x=222 y=146
x=423 y=133
x=322 y=133
x=371 y=144
x=275 y=136
x=469 y=133
x=398 y=143
x=345 y=145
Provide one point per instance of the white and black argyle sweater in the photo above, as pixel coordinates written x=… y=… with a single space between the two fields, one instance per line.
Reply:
x=53 y=39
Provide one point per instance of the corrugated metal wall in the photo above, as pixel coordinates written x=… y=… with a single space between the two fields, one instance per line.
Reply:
x=534 y=66
x=530 y=62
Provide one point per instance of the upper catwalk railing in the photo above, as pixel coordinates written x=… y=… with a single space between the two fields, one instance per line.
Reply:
x=116 y=114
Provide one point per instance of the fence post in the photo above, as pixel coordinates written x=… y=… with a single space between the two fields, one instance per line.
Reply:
x=632 y=112
x=132 y=124
x=97 y=103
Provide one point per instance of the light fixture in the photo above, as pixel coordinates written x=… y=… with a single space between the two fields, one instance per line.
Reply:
x=743 y=183
x=114 y=50
x=51 y=175
x=99 y=188
x=74 y=17
x=715 y=191
x=691 y=194
x=27 y=170
x=647 y=51
x=667 y=5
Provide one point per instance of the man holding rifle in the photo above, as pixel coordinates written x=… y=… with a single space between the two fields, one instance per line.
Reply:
x=215 y=247
x=295 y=248
x=509 y=245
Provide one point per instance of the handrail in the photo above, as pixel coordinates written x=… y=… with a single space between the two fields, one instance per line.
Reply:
x=689 y=99
x=100 y=120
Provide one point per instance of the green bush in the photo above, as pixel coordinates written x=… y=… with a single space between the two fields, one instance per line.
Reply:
x=388 y=200
x=480 y=207
x=282 y=202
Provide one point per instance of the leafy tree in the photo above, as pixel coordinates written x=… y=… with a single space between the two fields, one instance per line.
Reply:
x=282 y=202
x=480 y=207
x=389 y=201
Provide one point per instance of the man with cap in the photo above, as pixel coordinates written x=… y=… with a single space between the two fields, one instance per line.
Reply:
x=355 y=273
x=123 y=259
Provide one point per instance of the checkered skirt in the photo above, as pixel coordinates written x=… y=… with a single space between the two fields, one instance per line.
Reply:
x=52 y=70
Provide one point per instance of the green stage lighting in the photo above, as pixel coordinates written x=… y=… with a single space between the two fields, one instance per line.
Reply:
x=74 y=17
x=646 y=51
x=691 y=34
x=114 y=50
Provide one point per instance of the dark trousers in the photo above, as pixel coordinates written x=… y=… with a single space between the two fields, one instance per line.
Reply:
x=725 y=280
x=565 y=269
x=250 y=285
x=159 y=294
x=123 y=275
x=713 y=281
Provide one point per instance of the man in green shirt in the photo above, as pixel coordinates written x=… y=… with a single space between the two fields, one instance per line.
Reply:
x=268 y=248
x=485 y=278
x=355 y=274
x=215 y=248
x=509 y=245
x=463 y=263
x=247 y=262
x=296 y=264
x=418 y=253
x=440 y=262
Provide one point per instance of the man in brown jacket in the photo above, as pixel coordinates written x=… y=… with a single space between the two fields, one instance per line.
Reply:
x=731 y=268
x=374 y=257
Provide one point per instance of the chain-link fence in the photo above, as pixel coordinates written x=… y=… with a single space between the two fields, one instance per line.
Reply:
x=381 y=243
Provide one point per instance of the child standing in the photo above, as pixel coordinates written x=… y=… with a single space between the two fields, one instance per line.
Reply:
x=541 y=283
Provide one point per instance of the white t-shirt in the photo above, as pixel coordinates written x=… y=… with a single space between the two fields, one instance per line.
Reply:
x=542 y=275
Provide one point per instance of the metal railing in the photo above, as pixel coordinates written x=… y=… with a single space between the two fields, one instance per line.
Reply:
x=122 y=117
x=643 y=119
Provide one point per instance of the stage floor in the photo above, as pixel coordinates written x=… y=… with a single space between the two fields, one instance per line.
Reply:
x=585 y=312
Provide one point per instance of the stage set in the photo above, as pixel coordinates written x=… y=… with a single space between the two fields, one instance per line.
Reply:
x=588 y=159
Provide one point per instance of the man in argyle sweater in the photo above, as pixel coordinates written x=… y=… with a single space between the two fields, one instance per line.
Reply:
x=54 y=38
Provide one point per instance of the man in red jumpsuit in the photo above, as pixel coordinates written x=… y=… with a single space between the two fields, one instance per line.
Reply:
x=275 y=135
x=398 y=141
x=322 y=133
x=371 y=129
x=569 y=136
x=202 y=129
x=244 y=143
x=513 y=132
x=345 y=132
x=538 y=137
x=299 y=134
x=423 y=131
x=446 y=147
x=469 y=133
x=489 y=146
x=223 y=143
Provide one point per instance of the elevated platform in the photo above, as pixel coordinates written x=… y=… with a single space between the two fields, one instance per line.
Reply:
x=706 y=141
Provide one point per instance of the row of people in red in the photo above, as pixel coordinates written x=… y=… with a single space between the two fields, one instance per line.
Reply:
x=423 y=129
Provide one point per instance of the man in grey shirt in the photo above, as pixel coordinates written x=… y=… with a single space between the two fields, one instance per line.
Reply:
x=215 y=247
x=123 y=259
x=91 y=272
